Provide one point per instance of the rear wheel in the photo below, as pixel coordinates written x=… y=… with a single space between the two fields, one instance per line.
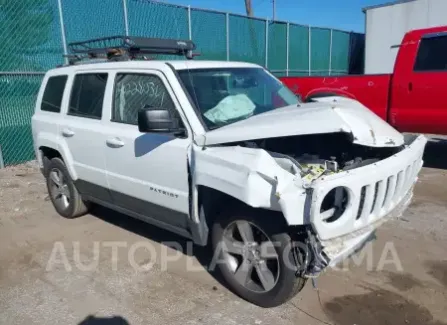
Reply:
x=63 y=194
x=256 y=258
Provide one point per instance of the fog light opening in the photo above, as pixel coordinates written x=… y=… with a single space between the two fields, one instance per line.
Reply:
x=334 y=204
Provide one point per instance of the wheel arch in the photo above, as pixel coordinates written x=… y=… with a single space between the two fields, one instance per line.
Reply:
x=47 y=144
x=213 y=203
x=328 y=93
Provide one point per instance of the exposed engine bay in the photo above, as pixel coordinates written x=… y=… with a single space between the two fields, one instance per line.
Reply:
x=319 y=154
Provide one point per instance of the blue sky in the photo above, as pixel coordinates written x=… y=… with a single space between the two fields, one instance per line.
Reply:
x=341 y=14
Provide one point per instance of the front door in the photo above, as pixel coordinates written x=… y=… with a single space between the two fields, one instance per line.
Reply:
x=147 y=172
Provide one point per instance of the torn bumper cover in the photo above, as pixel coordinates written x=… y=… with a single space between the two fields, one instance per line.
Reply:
x=374 y=194
x=333 y=251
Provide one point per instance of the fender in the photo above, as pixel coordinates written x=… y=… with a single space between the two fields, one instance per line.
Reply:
x=329 y=92
x=251 y=176
x=45 y=139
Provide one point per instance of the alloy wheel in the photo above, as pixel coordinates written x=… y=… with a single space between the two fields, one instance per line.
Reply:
x=59 y=189
x=251 y=256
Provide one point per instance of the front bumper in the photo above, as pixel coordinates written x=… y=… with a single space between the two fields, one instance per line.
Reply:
x=377 y=192
x=341 y=248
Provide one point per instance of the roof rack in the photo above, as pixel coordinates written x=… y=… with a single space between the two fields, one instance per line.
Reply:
x=122 y=48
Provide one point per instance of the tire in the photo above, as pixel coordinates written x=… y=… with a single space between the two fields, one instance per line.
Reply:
x=287 y=283
x=73 y=206
x=46 y=164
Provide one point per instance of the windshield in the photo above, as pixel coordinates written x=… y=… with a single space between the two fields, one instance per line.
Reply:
x=228 y=95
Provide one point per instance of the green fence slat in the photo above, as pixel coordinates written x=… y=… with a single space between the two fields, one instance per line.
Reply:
x=247 y=39
x=320 y=45
x=209 y=34
x=159 y=20
x=17 y=107
x=277 y=46
x=30 y=35
x=340 y=52
x=87 y=19
x=298 y=50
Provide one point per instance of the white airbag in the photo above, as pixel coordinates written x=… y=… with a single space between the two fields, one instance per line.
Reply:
x=231 y=108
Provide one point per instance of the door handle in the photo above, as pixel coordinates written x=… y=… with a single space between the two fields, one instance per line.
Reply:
x=67 y=133
x=410 y=86
x=115 y=143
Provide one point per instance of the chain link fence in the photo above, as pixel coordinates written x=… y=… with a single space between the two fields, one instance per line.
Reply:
x=35 y=34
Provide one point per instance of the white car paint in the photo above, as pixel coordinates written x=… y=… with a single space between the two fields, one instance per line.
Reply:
x=144 y=161
x=247 y=174
x=252 y=176
x=329 y=115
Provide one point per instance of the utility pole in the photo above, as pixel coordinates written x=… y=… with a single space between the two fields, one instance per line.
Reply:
x=274 y=9
x=248 y=8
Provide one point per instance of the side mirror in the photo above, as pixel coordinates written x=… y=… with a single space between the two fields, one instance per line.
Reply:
x=156 y=119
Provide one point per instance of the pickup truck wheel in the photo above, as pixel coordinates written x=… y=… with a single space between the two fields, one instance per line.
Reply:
x=256 y=259
x=63 y=194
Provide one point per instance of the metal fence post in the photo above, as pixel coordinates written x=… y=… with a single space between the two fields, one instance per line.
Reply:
x=2 y=163
x=189 y=23
x=61 y=22
x=126 y=19
x=330 y=53
x=287 y=50
x=266 y=43
x=227 y=22
x=310 y=51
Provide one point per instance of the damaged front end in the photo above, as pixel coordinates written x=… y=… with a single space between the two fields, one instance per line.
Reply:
x=339 y=191
x=347 y=207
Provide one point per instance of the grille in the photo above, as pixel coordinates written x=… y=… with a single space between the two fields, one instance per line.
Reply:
x=380 y=197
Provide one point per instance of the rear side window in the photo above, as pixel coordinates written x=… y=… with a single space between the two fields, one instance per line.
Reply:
x=52 y=96
x=87 y=95
x=432 y=54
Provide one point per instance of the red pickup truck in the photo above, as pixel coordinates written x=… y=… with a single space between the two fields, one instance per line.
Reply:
x=412 y=99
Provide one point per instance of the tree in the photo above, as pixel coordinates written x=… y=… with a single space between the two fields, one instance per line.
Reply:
x=25 y=26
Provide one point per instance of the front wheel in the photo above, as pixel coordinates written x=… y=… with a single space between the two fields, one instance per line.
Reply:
x=256 y=258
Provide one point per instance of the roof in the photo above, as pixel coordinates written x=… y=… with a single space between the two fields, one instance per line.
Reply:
x=197 y=64
x=154 y=64
x=416 y=34
x=387 y=4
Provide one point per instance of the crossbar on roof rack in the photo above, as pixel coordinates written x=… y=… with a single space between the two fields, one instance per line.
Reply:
x=130 y=46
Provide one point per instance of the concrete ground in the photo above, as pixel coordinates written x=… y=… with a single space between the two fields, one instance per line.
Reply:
x=45 y=276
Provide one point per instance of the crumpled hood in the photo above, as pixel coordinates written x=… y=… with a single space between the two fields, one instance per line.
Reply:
x=328 y=115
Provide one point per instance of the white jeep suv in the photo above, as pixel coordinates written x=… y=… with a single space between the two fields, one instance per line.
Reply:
x=221 y=153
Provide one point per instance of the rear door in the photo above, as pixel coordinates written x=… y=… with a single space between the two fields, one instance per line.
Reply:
x=83 y=133
x=419 y=102
x=47 y=116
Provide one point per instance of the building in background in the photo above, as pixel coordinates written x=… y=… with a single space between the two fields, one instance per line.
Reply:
x=387 y=24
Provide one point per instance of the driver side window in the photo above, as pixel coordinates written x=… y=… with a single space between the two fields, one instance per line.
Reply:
x=134 y=92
